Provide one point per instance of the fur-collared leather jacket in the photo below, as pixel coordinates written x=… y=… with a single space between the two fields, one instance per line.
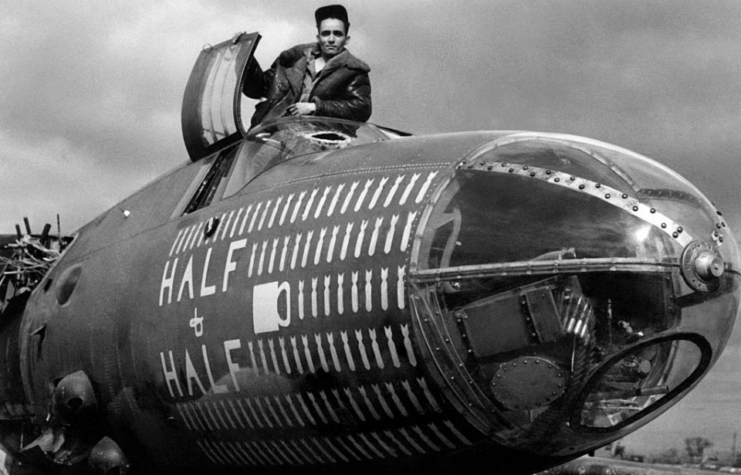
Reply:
x=343 y=89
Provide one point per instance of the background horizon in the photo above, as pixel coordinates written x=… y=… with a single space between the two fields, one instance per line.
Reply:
x=90 y=96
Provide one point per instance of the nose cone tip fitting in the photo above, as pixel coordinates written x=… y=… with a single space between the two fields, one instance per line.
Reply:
x=702 y=267
x=708 y=266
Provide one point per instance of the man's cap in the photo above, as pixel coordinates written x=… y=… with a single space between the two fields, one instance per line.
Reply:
x=331 y=11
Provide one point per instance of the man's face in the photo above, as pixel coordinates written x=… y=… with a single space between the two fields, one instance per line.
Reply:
x=332 y=37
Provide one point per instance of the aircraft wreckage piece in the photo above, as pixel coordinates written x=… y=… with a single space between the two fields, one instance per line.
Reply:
x=319 y=295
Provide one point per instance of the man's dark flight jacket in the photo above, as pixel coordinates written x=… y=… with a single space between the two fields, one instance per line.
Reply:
x=342 y=90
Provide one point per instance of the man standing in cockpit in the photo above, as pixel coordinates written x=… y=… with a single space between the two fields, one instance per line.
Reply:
x=321 y=78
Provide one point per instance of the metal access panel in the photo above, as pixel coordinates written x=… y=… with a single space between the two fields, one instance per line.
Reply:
x=543 y=314
x=496 y=325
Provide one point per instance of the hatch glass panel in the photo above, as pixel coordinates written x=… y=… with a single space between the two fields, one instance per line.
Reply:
x=211 y=112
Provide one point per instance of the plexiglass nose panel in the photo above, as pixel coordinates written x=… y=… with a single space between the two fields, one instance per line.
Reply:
x=577 y=289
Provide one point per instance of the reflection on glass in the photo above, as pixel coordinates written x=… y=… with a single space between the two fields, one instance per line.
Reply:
x=638 y=380
x=216 y=109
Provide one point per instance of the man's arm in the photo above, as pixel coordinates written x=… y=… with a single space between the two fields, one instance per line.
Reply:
x=257 y=82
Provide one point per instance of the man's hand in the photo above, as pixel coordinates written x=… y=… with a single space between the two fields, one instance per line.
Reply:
x=301 y=108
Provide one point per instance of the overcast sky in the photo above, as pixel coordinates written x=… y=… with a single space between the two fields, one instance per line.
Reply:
x=90 y=96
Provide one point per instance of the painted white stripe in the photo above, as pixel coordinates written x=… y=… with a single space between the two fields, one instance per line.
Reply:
x=186 y=235
x=283 y=411
x=301 y=299
x=407 y=231
x=354 y=293
x=253 y=361
x=283 y=253
x=296 y=247
x=332 y=242
x=320 y=351
x=225 y=226
x=333 y=352
x=409 y=188
x=372 y=447
x=334 y=200
x=314 y=304
x=392 y=347
x=337 y=451
x=390 y=234
x=307 y=210
x=264 y=213
x=349 y=197
x=340 y=293
x=383 y=445
x=391 y=436
x=408 y=345
x=244 y=414
x=374 y=237
x=244 y=220
x=254 y=217
x=384 y=289
x=273 y=356
x=275 y=211
x=320 y=244
x=424 y=188
x=284 y=354
x=252 y=259
x=400 y=298
x=326 y=295
x=294 y=411
x=175 y=242
x=298 y=206
x=306 y=409
x=263 y=357
x=425 y=439
x=412 y=397
x=317 y=408
x=297 y=356
x=285 y=209
x=361 y=198
x=376 y=348
x=307 y=246
x=307 y=354
x=262 y=257
x=354 y=404
x=382 y=401
x=361 y=347
x=321 y=202
x=272 y=256
x=195 y=238
x=346 y=241
x=397 y=400
x=377 y=193
x=457 y=433
x=369 y=404
x=392 y=191
x=236 y=222
x=368 y=290
x=361 y=236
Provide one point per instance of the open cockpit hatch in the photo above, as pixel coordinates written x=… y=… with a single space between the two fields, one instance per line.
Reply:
x=211 y=112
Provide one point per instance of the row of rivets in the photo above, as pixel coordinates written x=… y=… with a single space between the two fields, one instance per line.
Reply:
x=512 y=169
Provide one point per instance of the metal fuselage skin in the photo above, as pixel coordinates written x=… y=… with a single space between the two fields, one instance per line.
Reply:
x=271 y=329
x=314 y=321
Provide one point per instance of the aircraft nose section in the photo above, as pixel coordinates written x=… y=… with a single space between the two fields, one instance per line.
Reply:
x=576 y=288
